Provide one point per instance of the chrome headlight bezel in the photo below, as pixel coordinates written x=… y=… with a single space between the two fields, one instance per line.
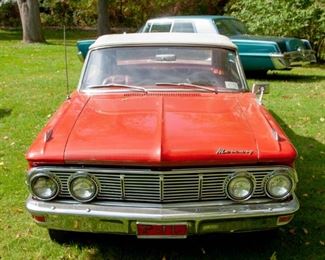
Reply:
x=33 y=179
x=88 y=177
x=288 y=174
x=240 y=175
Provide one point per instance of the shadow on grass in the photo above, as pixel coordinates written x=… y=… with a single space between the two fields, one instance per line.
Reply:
x=53 y=36
x=11 y=34
x=312 y=151
x=221 y=246
x=288 y=76
x=4 y=112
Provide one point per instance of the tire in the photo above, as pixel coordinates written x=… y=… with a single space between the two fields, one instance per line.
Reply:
x=61 y=237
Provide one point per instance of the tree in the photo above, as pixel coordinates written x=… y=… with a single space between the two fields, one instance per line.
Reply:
x=295 y=18
x=30 y=20
x=103 y=18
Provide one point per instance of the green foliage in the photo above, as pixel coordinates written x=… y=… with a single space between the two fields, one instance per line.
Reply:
x=135 y=13
x=80 y=13
x=297 y=18
x=9 y=14
x=122 y=13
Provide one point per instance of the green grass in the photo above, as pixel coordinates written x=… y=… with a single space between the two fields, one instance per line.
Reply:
x=32 y=85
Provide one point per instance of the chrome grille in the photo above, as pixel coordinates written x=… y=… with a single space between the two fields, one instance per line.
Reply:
x=145 y=185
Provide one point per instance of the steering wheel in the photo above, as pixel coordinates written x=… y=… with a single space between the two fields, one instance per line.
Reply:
x=206 y=78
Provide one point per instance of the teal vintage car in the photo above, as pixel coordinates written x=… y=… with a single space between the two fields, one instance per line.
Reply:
x=257 y=53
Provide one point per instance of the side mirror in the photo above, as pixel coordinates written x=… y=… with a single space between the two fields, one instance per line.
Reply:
x=260 y=89
x=80 y=56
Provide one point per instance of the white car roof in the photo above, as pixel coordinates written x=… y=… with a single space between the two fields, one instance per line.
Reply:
x=180 y=39
x=201 y=25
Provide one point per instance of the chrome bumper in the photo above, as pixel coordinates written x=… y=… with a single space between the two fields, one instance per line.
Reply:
x=293 y=59
x=122 y=218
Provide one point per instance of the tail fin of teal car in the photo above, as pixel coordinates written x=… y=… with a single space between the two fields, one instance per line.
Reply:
x=83 y=47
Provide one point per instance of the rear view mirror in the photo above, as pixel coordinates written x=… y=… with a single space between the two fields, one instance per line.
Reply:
x=260 y=89
x=165 y=57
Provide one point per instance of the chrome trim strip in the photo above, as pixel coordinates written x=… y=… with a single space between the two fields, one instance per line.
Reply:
x=200 y=186
x=161 y=187
x=158 y=172
x=122 y=177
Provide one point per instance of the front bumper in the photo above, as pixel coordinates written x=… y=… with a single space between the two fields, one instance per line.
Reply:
x=293 y=59
x=122 y=218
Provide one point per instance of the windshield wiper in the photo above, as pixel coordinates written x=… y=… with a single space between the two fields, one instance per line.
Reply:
x=208 y=89
x=119 y=86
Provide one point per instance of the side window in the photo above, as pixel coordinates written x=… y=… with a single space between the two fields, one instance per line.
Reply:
x=161 y=27
x=185 y=27
x=222 y=27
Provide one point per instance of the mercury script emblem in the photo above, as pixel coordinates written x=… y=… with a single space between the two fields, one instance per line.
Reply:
x=234 y=151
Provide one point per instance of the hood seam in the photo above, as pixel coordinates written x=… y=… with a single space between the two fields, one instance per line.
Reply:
x=74 y=124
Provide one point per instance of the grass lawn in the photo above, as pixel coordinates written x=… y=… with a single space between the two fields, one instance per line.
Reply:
x=32 y=85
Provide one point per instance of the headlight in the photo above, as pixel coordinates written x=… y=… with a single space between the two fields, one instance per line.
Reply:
x=44 y=186
x=279 y=185
x=240 y=187
x=83 y=187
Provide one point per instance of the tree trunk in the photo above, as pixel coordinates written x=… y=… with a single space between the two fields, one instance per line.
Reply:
x=30 y=20
x=103 y=18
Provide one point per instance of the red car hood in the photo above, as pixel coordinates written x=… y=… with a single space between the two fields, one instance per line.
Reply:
x=165 y=130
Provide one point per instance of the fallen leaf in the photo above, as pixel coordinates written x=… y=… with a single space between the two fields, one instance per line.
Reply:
x=92 y=252
x=18 y=210
x=322 y=242
x=305 y=231
x=273 y=256
x=292 y=231
x=5 y=138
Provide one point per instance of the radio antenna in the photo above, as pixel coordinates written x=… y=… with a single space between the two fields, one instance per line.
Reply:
x=66 y=63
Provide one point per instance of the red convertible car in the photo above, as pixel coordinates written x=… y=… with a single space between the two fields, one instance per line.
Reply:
x=162 y=139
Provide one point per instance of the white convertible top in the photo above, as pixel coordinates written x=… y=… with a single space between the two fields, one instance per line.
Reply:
x=179 y=39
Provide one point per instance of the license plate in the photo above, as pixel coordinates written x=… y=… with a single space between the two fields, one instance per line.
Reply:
x=145 y=230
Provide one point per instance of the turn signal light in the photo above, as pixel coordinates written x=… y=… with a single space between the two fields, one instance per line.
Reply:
x=39 y=218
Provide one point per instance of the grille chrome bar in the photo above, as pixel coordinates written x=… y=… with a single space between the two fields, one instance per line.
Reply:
x=122 y=186
x=145 y=185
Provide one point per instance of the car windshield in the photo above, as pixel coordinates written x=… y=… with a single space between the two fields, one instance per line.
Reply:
x=230 y=27
x=158 y=68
